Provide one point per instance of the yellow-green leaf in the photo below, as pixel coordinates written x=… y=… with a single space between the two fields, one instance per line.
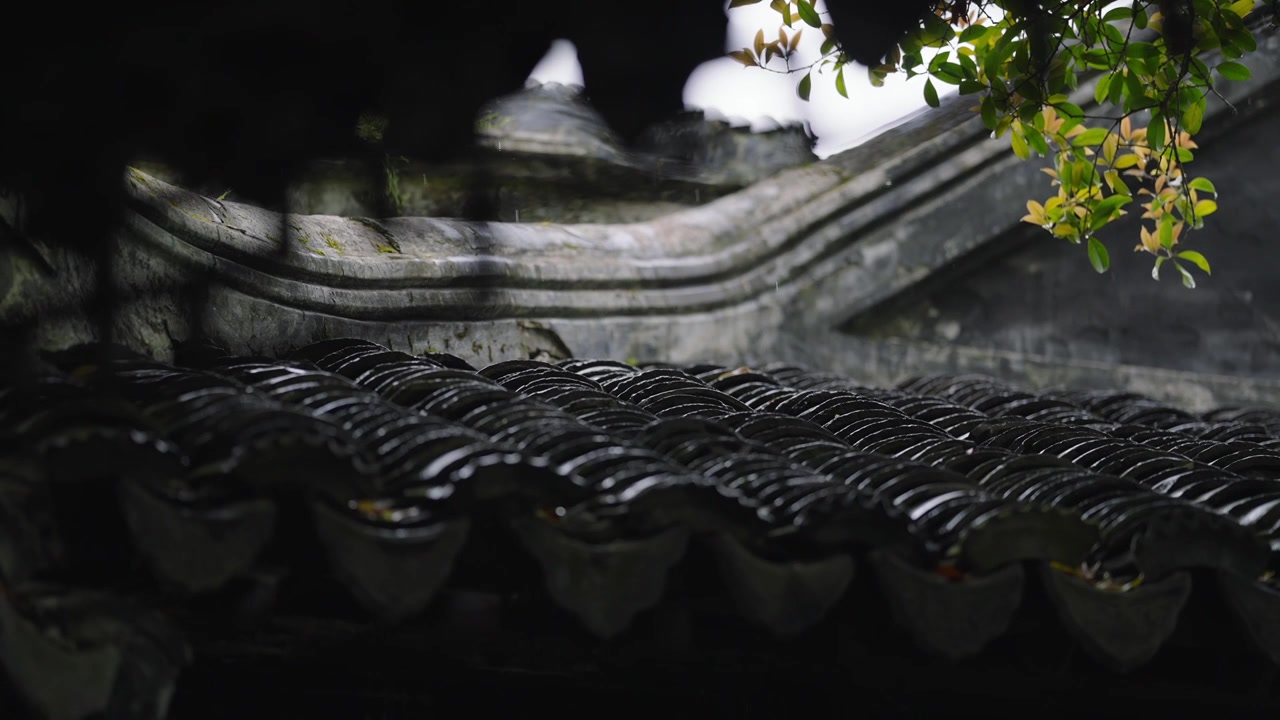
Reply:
x=1166 y=231
x=1019 y=144
x=1205 y=208
x=1241 y=7
x=840 y=86
x=1002 y=125
x=1109 y=147
x=1199 y=260
x=1117 y=183
x=1203 y=184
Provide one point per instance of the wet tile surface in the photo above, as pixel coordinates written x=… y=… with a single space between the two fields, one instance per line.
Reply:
x=356 y=482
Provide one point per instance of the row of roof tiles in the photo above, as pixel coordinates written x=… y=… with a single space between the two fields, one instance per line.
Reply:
x=949 y=487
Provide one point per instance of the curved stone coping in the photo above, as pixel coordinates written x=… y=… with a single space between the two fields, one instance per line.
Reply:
x=830 y=230
x=727 y=236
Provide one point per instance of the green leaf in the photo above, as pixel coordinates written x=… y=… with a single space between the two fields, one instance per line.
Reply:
x=1187 y=281
x=1165 y=231
x=1071 y=112
x=1155 y=271
x=1097 y=59
x=1234 y=71
x=1115 y=14
x=840 y=86
x=1036 y=139
x=1090 y=137
x=1002 y=125
x=808 y=14
x=1098 y=256
x=970 y=87
x=971 y=33
x=1116 y=92
x=1135 y=91
x=806 y=85
x=1117 y=184
x=783 y=8
x=1200 y=71
x=998 y=54
x=1193 y=117
x=911 y=44
x=937 y=32
x=1103 y=88
x=1155 y=132
x=1244 y=40
x=988 y=111
x=1141 y=50
x=950 y=73
x=930 y=94
x=1140 y=19
x=740 y=3
x=1109 y=205
x=1027 y=110
x=1113 y=33
x=1194 y=257
x=1202 y=184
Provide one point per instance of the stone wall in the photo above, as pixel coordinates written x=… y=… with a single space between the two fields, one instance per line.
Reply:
x=899 y=257
x=1028 y=294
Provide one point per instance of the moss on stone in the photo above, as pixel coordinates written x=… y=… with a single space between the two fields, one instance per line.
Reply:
x=332 y=242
